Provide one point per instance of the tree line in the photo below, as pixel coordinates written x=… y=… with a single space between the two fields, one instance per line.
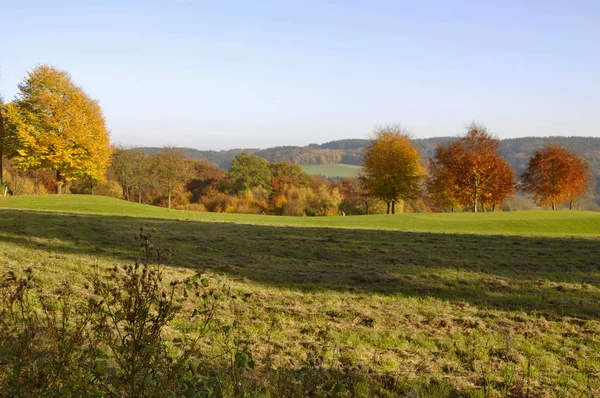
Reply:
x=469 y=172
x=53 y=136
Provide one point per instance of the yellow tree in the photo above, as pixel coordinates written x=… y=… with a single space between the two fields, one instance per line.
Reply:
x=54 y=125
x=392 y=169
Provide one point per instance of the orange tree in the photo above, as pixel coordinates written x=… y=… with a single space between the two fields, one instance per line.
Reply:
x=440 y=183
x=392 y=170
x=555 y=175
x=470 y=171
x=54 y=125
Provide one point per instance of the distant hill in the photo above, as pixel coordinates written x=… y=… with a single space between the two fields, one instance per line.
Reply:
x=516 y=151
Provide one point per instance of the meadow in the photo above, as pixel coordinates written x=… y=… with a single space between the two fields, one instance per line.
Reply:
x=332 y=170
x=491 y=304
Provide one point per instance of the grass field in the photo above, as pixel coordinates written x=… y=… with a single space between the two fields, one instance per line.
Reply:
x=332 y=170
x=555 y=223
x=495 y=304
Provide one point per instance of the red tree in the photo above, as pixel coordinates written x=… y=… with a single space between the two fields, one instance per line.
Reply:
x=470 y=171
x=555 y=175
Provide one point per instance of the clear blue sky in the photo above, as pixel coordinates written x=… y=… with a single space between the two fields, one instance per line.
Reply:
x=226 y=74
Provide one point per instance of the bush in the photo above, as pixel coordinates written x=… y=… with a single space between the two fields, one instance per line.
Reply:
x=107 y=340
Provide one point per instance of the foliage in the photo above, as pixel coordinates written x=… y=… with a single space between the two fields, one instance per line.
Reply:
x=130 y=168
x=554 y=175
x=90 y=187
x=249 y=171
x=106 y=341
x=392 y=169
x=287 y=173
x=172 y=169
x=470 y=172
x=54 y=125
x=207 y=177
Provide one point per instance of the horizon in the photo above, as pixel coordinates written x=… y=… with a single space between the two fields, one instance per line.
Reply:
x=335 y=140
x=269 y=74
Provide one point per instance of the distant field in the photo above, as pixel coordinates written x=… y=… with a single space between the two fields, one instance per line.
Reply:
x=447 y=304
x=541 y=222
x=332 y=170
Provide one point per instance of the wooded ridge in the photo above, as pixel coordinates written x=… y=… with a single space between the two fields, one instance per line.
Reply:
x=516 y=151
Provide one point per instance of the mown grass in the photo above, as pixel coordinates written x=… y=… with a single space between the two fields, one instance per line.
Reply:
x=332 y=170
x=540 y=222
x=483 y=314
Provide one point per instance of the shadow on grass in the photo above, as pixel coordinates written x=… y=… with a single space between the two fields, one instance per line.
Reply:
x=553 y=276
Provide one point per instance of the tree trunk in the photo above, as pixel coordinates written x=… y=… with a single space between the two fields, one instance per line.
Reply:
x=475 y=203
x=553 y=206
x=493 y=207
x=140 y=195
x=570 y=204
x=393 y=207
x=388 y=208
x=169 y=198
x=59 y=183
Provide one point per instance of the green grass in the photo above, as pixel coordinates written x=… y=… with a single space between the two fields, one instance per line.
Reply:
x=332 y=170
x=496 y=302
x=541 y=222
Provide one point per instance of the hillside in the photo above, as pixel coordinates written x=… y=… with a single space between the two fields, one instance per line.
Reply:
x=426 y=303
x=554 y=223
x=516 y=151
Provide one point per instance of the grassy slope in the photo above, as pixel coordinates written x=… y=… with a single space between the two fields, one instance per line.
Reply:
x=558 y=223
x=511 y=313
x=332 y=170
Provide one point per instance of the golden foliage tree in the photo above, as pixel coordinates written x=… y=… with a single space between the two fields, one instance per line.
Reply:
x=54 y=125
x=392 y=169
x=470 y=171
x=555 y=175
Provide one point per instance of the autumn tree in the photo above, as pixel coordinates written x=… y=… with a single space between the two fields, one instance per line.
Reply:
x=207 y=179
x=555 y=175
x=130 y=169
x=470 y=171
x=392 y=169
x=172 y=169
x=440 y=183
x=356 y=200
x=249 y=171
x=54 y=125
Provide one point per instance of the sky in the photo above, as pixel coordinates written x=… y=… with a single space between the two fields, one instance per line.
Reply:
x=256 y=74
